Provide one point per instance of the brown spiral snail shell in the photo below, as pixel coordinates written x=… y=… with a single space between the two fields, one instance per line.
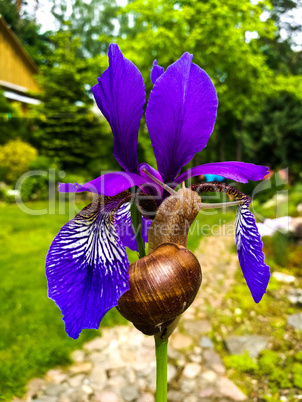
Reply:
x=164 y=283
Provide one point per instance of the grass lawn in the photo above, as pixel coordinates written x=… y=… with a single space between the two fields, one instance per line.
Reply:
x=32 y=336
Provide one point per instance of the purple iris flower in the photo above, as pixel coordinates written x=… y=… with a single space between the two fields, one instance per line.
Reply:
x=87 y=265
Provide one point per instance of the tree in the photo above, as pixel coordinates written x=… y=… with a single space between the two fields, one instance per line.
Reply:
x=277 y=134
x=68 y=130
x=93 y=22
x=215 y=33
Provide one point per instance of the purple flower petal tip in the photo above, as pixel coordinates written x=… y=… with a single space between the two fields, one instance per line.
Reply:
x=156 y=72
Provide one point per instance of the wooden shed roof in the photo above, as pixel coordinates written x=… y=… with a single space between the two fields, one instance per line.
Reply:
x=17 y=70
x=7 y=30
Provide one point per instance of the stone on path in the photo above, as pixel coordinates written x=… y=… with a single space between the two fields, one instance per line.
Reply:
x=171 y=372
x=179 y=341
x=295 y=321
x=78 y=356
x=191 y=370
x=229 y=389
x=295 y=296
x=206 y=343
x=106 y=396
x=209 y=377
x=84 y=367
x=53 y=389
x=130 y=393
x=56 y=376
x=282 y=277
x=98 y=377
x=97 y=344
x=35 y=387
x=77 y=380
x=197 y=328
x=214 y=361
x=207 y=392
x=146 y=397
x=253 y=344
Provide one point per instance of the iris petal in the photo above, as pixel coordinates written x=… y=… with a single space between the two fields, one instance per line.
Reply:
x=238 y=171
x=125 y=230
x=180 y=115
x=250 y=254
x=109 y=184
x=87 y=267
x=156 y=72
x=155 y=188
x=120 y=95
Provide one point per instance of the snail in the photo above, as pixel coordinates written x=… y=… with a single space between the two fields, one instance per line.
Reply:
x=164 y=283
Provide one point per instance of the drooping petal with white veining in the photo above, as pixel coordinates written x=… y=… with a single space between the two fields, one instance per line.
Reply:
x=250 y=254
x=87 y=266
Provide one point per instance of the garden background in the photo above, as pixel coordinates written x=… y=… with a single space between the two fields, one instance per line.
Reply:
x=252 y=53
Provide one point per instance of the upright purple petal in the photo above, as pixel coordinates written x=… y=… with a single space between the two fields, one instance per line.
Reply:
x=125 y=230
x=87 y=267
x=250 y=254
x=180 y=115
x=237 y=171
x=120 y=95
x=156 y=72
x=109 y=184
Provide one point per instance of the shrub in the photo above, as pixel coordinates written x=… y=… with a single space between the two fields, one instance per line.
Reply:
x=268 y=361
x=297 y=375
x=15 y=158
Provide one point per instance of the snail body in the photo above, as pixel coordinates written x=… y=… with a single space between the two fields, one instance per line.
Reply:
x=164 y=283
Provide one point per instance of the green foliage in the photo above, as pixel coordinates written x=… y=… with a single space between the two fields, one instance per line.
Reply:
x=280 y=248
x=32 y=339
x=280 y=377
x=274 y=134
x=34 y=187
x=268 y=361
x=297 y=375
x=298 y=356
x=90 y=21
x=5 y=106
x=15 y=158
x=243 y=364
x=12 y=123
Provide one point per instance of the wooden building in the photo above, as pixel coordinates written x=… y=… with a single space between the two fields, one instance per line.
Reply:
x=17 y=69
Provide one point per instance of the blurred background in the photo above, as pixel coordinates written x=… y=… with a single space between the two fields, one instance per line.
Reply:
x=51 y=53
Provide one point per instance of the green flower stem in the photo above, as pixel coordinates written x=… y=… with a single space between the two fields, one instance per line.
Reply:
x=161 y=347
x=137 y=226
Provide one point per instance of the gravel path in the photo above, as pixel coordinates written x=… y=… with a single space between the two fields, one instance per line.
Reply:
x=120 y=365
